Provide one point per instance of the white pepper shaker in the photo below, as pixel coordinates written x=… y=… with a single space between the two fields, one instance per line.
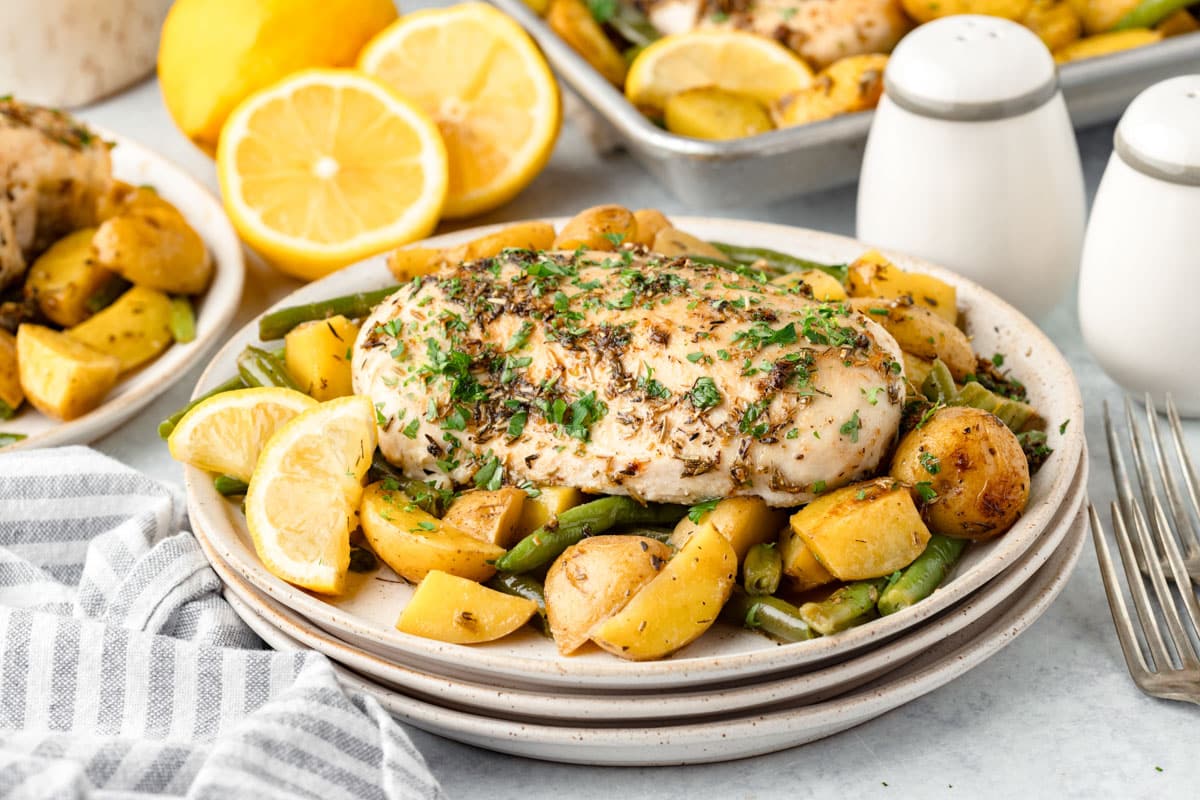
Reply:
x=972 y=162
x=1139 y=288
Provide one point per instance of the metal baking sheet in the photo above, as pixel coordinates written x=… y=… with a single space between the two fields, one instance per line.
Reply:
x=792 y=161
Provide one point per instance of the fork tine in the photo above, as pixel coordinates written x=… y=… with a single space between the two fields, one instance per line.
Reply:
x=1189 y=472
x=1137 y=590
x=1180 y=575
x=1121 y=479
x=1184 y=526
x=1116 y=601
x=1162 y=590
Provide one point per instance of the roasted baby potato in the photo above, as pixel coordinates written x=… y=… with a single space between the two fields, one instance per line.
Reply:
x=597 y=228
x=409 y=262
x=1104 y=44
x=11 y=395
x=317 y=354
x=549 y=502
x=675 y=243
x=678 y=604
x=801 y=566
x=921 y=332
x=850 y=84
x=866 y=530
x=448 y=608
x=414 y=543
x=649 y=222
x=712 y=113
x=974 y=467
x=824 y=286
x=64 y=277
x=1177 y=24
x=1103 y=15
x=135 y=329
x=572 y=20
x=594 y=579
x=1054 y=22
x=925 y=10
x=151 y=244
x=916 y=369
x=61 y=377
x=743 y=521
x=490 y=516
x=872 y=275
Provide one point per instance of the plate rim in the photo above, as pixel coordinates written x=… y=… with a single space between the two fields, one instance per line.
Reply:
x=202 y=499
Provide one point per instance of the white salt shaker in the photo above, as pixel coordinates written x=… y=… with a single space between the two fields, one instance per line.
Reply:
x=972 y=162
x=1139 y=289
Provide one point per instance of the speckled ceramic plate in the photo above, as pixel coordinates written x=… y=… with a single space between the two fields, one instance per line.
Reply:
x=742 y=735
x=620 y=708
x=365 y=615
x=134 y=164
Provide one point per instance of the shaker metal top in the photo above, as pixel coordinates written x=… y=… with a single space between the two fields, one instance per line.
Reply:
x=1159 y=133
x=971 y=68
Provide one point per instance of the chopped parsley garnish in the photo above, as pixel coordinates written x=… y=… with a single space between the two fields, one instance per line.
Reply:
x=760 y=334
x=930 y=462
x=426 y=525
x=1062 y=429
x=699 y=358
x=926 y=490
x=519 y=337
x=998 y=359
x=861 y=494
x=873 y=395
x=818 y=487
x=380 y=418
x=511 y=364
x=792 y=434
x=651 y=385
x=612 y=236
x=749 y=422
x=697 y=512
x=851 y=427
x=516 y=423
x=584 y=412
x=410 y=430
x=704 y=393
x=490 y=476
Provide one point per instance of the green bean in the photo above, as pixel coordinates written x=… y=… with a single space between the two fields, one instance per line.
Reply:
x=261 y=368
x=107 y=294
x=183 y=320
x=530 y=589
x=6 y=411
x=1149 y=13
x=229 y=485
x=1013 y=413
x=658 y=534
x=920 y=578
x=762 y=569
x=939 y=384
x=547 y=542
x=277 y=324
x=632 y=25
x=779 y=262
x=11 y=438
x=167 y=425
x=770 y=615
x=363 y=560
x=425 y=496
x=845 y=608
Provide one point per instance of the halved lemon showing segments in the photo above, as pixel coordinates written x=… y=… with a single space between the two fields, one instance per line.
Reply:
x=735 y=61
x=225 y=433
x=304 y=495
x=488 y=87
x=328 y=167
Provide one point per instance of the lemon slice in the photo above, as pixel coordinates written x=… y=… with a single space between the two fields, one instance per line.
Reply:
x=226 y=432
x=488 y=87
x=735 y=61
x=328 y=167
x=304 y=494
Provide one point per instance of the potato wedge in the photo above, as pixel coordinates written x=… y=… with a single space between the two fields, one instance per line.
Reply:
x=925 y=10
x=866 y=530
x=597 y=228
x=974 y=468
x=712 y=113
x=152 y=245
x=916 y=369
x=62 y=377
x=1102 y=15
x=1054 y=22
x=800 y=565
x=856 y=82
x=677 y=605
x=811 y=104
x=675 y=243
x=411 y=262
x=872 y=275
x=920 y=332
x=825 y=287
x=135 y=329
x=414 y=543
x=63 y=278
x=594 y=579
x=11 y=394
x=1177 y=24
x=1104 y=44
x=743 y=521
x=572 y=21
x=521 y=236
x=649 y=222
x=448 y=608
x=317 y=354
x=548 y=503
x=490 y=516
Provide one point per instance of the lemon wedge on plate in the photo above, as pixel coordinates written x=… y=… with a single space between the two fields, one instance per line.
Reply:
x=488 y=87
x=305 y=492
x=226 y=432
x=328 y=167
x=735 y=61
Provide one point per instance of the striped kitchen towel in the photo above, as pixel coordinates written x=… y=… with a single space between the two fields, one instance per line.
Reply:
x=124 y=673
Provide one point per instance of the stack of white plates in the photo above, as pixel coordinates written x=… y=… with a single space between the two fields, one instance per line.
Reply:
x=731 y=694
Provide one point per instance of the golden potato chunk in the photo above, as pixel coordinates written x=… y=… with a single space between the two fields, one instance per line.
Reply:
x=712 y=113
x=872 y=275
x=61 y=377
x=649 y=222
x=135 y=329
x=548 y=503
x=1102 y=15
x=677 y=605
x=825 y=287
x=800 y=565
x=572 y=20
x=448 y=608
x=64 y=277
x=925 y=10
x=414 y=543
x=11 y=395
x=921 y=332
x=1104 y=44
x=1054 y=22
x=490 y=516
x=866 y=530
x=971 y=470
x=409 y=262
x=317 y=355
x=594 y=579
x=152 y=245
x=598 y=228
x=850 y=84
x=743 y=521
x=675 y=243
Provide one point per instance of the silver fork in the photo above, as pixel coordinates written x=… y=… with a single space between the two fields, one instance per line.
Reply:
x=1172 y=671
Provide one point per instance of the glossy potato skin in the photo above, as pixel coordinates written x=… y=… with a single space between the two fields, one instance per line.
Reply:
x=920 y=332
x=135 y=328
x=491 y=516
x=594 y=579
x=315 y=355
x=743 y=521
x=64 y=277
x=151 y=244
x=452 y=609
x=597 y=228
x=61 y=377
x=872 y=275
x=981 y=477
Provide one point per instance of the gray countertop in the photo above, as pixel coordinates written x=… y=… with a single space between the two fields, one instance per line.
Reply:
x=1055 y=714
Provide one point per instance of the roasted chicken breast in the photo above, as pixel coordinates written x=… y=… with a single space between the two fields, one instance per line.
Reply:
x=628 y=373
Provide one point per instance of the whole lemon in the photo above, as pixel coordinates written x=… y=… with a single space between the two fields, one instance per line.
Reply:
x=214 y=53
